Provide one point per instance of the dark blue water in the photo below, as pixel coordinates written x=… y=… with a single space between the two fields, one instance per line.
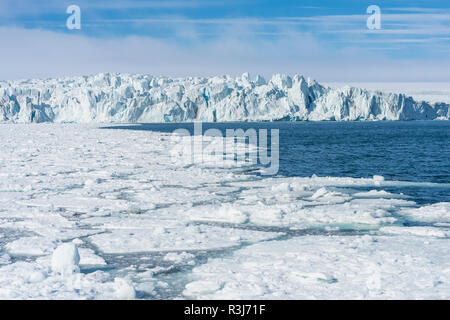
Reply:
x=415 y=151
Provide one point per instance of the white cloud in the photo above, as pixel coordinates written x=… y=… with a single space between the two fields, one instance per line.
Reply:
x=38 y=54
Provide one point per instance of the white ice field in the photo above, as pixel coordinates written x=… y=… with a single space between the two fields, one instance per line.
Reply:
x=129 y=222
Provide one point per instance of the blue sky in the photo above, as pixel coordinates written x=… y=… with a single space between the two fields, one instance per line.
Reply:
x=326 y=40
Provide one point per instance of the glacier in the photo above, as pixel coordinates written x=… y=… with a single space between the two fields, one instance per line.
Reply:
x=125 y=98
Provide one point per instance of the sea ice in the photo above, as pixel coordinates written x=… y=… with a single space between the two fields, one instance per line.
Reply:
x=5 y=259
x=435 y=213
x=34 y=280
x=148 y=220
x=66 y=259
x=124 y=289
x=179 y=237
x=324 y=267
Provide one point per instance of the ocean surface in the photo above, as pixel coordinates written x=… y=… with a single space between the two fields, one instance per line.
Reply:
x=412 y=151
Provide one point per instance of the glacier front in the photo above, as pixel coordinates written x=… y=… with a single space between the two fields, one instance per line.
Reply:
x=124 y=98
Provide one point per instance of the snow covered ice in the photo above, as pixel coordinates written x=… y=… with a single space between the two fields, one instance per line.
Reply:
x=144 y=98
x=92 y=213
x=329 y=267
x=65 y=259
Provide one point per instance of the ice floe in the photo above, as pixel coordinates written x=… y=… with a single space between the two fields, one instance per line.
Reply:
x=324 y=267
x=66 y=259
x=165 y=229
x=435 y=213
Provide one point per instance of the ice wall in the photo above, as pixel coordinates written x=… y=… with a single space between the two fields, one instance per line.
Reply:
x=143 y=98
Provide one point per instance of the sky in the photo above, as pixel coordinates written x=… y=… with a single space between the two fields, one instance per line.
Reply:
x=326 y=40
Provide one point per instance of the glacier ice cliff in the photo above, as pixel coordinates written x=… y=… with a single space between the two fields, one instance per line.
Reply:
x=143 y=98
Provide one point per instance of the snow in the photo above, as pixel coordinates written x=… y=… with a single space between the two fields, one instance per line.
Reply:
x=149 y=226
x=89 y=257
x=435 y=213
x=179 y=257
x=31 y=246
x=324 y=267
x=419 y=231
x=124 y=289
x=196 y=288
x=33 y=280
x=378 y=194
x=128 y=98
x=175 y=237
x=66 y=259
x=5 y=259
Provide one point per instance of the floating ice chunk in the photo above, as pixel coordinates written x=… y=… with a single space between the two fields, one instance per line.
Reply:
x=319 y=193
x=91 y=182
x=378 y=194
x=324 y=267
x=133 y=209
x=66 y=259
x=78 y=241
x=325 y=195
x=180 y=237
x=88 y=257
x=225 y=213
x=373 y=194
x=417 y=231
x=199 y=288
x=36 y=276
x=282 y=187
x=5 y=259
x=33 y=280
x=124 y=289
x=290 y=187
x=31 y=246
x=149 y=286
x=435 y=213
x=178 y=257
x=299 y=187
x=378 y=179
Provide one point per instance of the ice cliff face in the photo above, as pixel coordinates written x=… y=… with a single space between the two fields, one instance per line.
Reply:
x=144 y=98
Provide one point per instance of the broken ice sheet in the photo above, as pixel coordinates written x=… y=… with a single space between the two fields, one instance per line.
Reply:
x=175 y=237
x=89 y=187
x=324 y=267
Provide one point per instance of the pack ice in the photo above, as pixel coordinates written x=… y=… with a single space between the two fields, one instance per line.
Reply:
x=82 y=217
x=127 y=98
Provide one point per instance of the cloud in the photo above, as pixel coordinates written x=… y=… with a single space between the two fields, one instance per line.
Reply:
x=345 y=26
x=417 y=9
x=150 y=4
x=42 y=54
x=14 y=9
